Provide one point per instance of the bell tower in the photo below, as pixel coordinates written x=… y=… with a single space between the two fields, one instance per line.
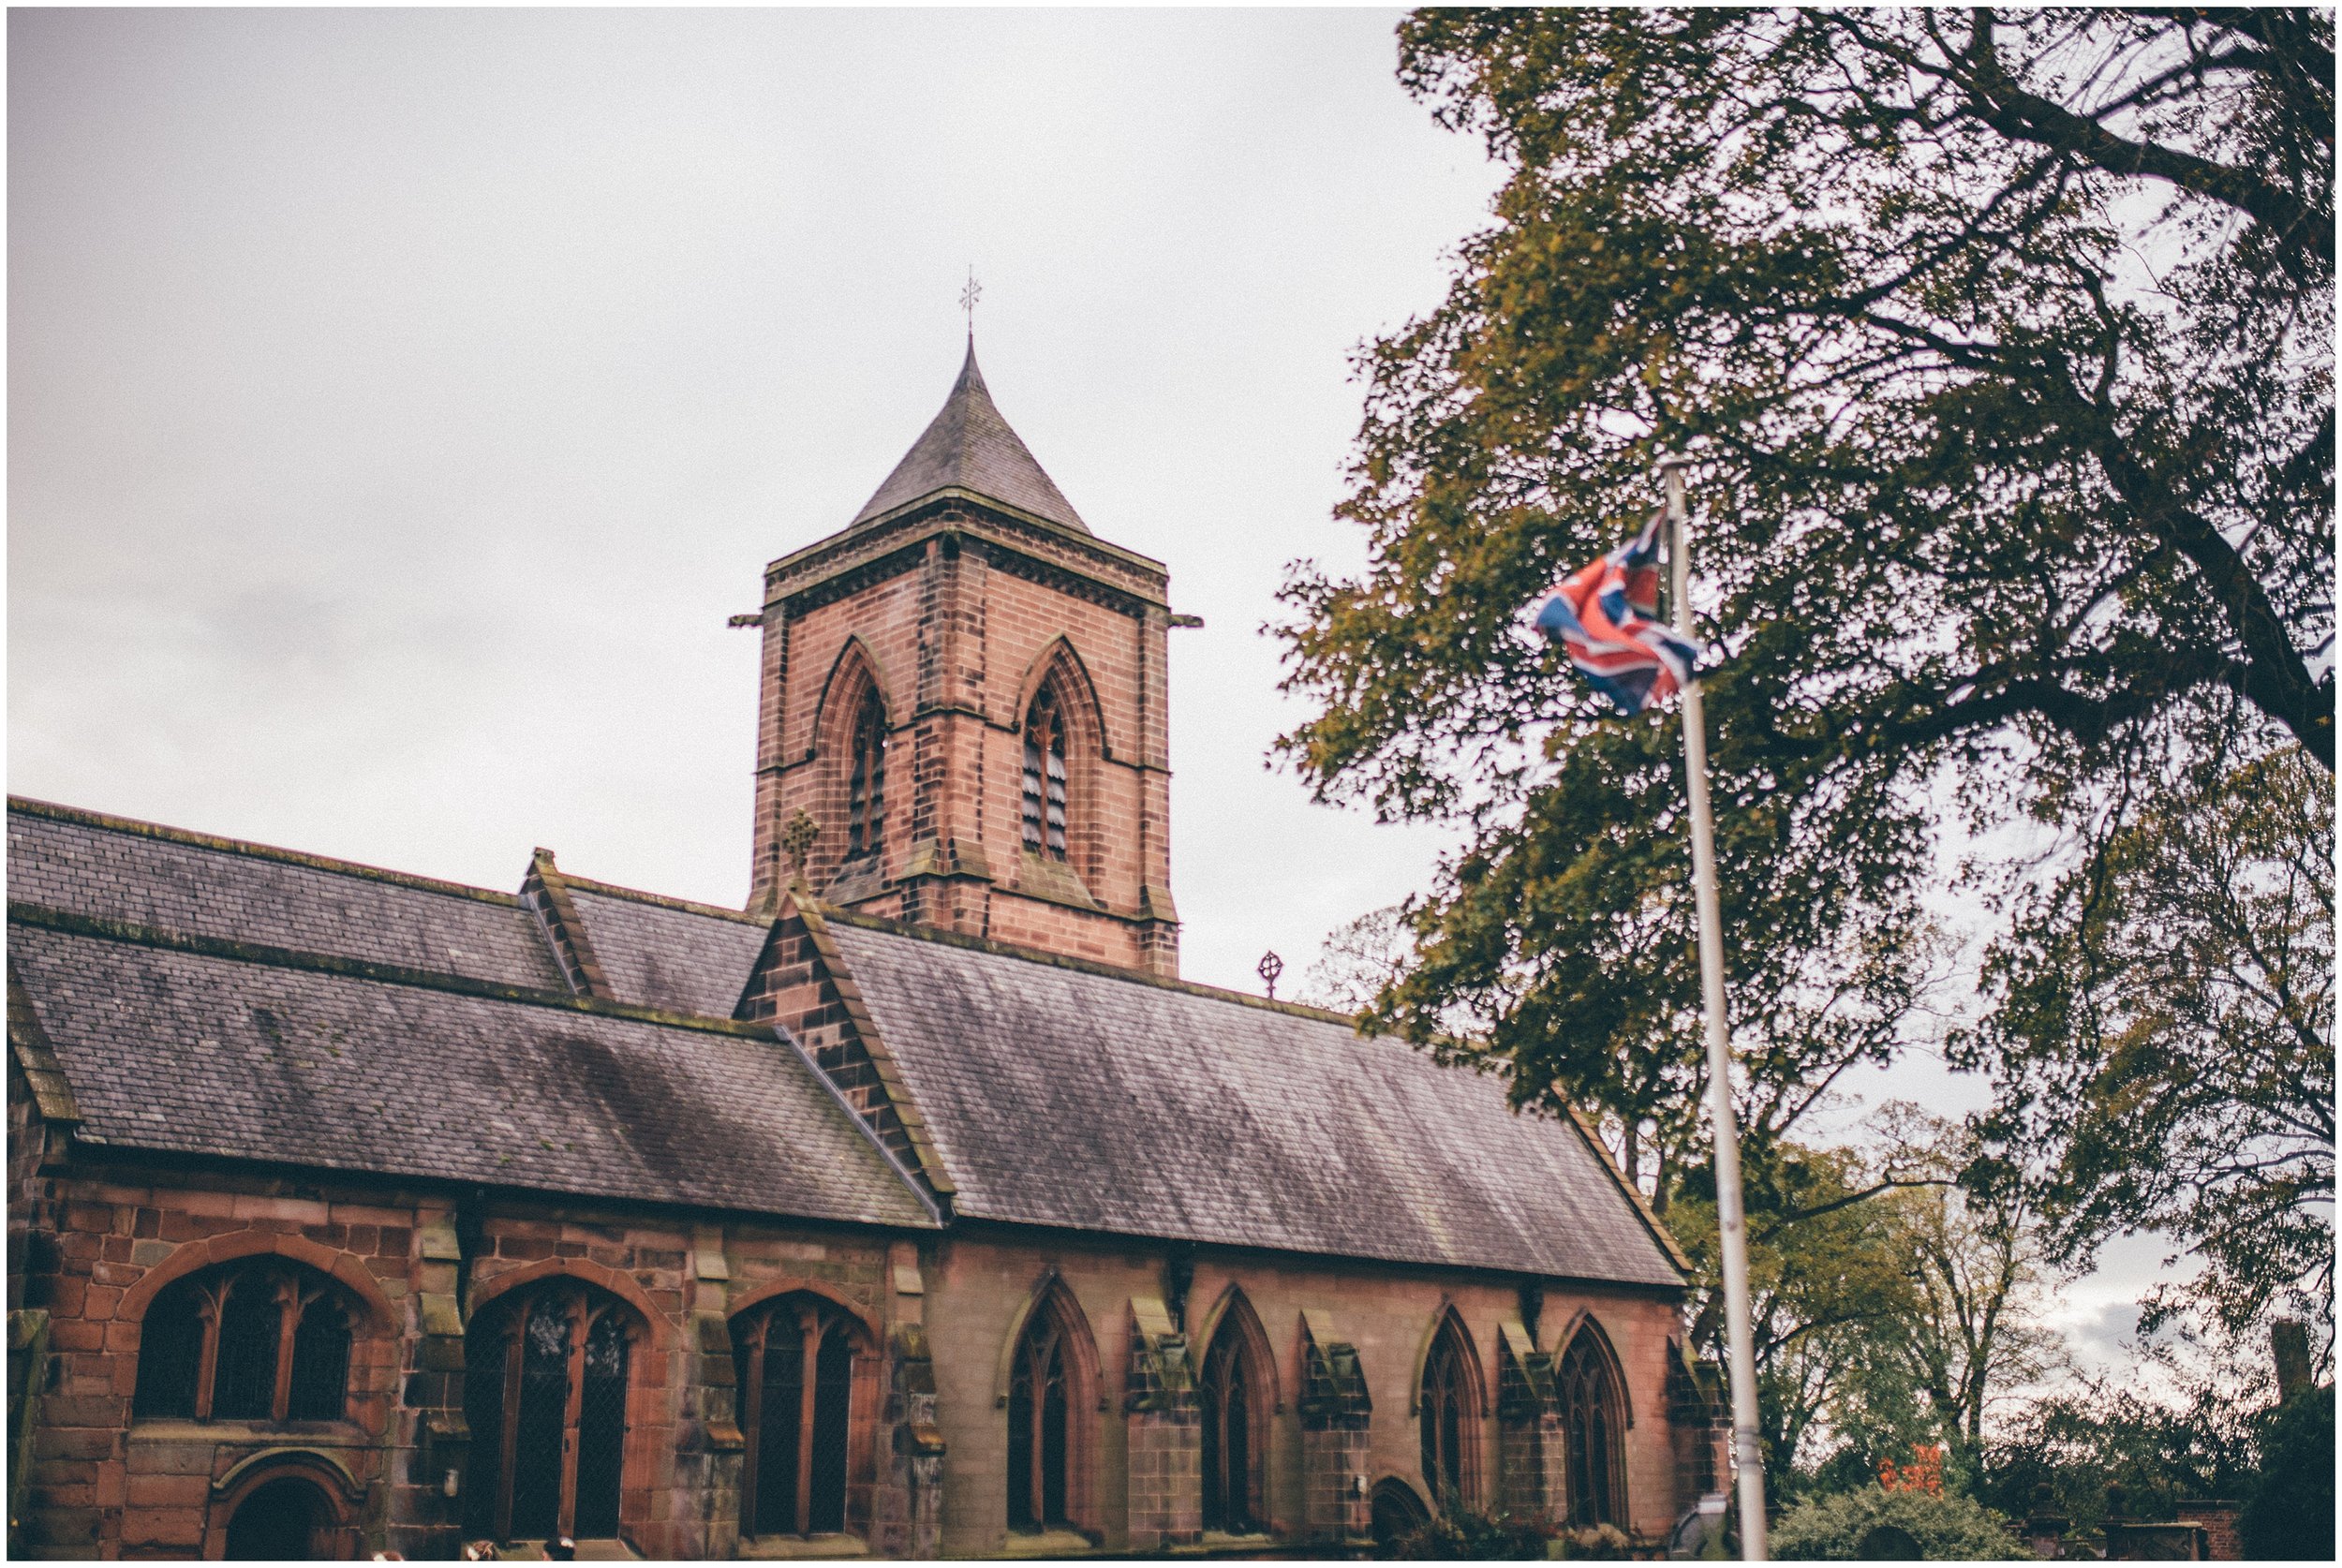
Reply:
x=964 y=689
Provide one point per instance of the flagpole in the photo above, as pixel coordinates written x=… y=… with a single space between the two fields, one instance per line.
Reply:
x=1730 y=1219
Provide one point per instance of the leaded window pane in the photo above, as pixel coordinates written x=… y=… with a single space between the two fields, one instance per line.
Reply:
x=833 y=1393
x=320 y=1362
x=781 y=1424
x=244 y=1378
x=544 y=1414
x=171 y=1355
x=601 y=1428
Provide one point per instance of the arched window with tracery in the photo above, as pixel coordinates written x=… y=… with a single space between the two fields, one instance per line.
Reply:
x=261 y=1339
x=1235 y=1397
x=1044 y=776
x=546 y=1382
x=1450 y=1418
x=1594 y=1427
x=798 y=1359
x=1052 y=1394
x=865 y=779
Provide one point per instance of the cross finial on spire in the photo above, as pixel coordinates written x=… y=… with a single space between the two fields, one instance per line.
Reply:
x=968 y=298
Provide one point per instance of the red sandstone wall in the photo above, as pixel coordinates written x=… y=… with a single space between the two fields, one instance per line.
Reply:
x=104 y=1242
x=959 y=646
x=978 y=1282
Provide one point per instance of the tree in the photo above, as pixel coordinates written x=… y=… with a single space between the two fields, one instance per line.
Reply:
x=1357 y=960
x=2069 y=1450
x=1974 y=1331
x=2004 y=341
x=1889 y=1307
x=2165 y=1028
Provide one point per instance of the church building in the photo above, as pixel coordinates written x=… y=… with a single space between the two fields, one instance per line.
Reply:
x=919 y=1208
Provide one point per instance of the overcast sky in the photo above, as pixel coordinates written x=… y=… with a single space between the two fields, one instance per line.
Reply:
x=400 y=401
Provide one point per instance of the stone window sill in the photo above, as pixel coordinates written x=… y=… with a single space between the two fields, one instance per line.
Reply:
x=1048 y=1543
x=819 y=1547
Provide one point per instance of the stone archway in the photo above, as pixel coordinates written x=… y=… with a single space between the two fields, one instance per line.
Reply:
x=295 y=1507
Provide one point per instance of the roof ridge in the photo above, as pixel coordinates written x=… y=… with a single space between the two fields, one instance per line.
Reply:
x=837 y=916
x=137 y=827
x=665 y=900
x=68 y=922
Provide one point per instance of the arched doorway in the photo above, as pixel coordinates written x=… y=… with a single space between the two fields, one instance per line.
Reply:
x=286 y=1518
x=545 y=1385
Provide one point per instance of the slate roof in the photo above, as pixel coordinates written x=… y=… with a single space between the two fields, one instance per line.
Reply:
x=202 y=996
x=969 y=446
x=665 y=953
x=205 y=996
x=1061 y=1095
x=201 y=1052
x=114 y=868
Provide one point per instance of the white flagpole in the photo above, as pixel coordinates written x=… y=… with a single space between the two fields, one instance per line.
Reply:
x=1731 y=1219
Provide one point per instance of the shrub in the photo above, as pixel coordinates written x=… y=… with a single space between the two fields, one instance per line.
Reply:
x=1945 y=1526
x=1466 y=1535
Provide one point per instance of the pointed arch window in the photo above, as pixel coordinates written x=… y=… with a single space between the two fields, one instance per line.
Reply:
x=1040 y=1426
x=1236 y=1399
x=865 y=780
x=1044 y=776
x=258 y=1340
x=1450 y=1418
x=796 y=1360
x=1592 y=1423
x=545 y=1385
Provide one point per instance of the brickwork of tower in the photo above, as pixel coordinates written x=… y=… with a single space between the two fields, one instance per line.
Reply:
x=958 y=606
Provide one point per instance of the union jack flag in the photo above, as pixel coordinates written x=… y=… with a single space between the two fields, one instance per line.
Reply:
x=1605 y=616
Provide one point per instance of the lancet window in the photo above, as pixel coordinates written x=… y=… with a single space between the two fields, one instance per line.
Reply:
x=1234 y=1398
x=1450 y=1416
x=1040 y=1425
x=1593 y=1429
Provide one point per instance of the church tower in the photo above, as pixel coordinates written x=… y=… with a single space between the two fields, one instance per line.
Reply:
x=964 y=689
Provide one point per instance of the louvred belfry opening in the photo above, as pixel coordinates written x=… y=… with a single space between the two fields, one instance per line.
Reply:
x=1044 y=777
x=866 y=787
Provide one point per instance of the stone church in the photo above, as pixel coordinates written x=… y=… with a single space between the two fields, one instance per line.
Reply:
x=918 y=1208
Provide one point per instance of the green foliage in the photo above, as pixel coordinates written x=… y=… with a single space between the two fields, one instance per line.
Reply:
x=1457 y=1534
x=2065 y=1453
x=1987 y=497
x=1946 y=1526
x=1889 y=1307
x=2166 y=1029
x=2290 y=1511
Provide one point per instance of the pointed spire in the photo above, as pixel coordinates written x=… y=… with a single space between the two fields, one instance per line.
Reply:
x=968 y=446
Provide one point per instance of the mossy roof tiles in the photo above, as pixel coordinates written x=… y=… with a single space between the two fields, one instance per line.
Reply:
x=115 y=869
x=658 y=954
x=1061 y=1096
x=203 y=1053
